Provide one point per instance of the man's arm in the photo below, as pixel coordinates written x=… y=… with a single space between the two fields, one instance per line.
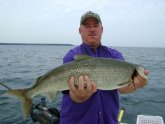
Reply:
x=138 y=82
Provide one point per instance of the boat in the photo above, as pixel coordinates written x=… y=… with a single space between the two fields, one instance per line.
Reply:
x=44 y=115
x=40 y=113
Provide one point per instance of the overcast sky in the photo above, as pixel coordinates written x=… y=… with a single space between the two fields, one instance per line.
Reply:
x=126 y=22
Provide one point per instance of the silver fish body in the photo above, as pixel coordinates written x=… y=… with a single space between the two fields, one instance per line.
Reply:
x=108 y=74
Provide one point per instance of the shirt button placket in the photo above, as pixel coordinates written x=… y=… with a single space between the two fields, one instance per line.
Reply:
x=100 y=110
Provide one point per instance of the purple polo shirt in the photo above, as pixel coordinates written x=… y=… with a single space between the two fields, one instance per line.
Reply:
x=102 y=107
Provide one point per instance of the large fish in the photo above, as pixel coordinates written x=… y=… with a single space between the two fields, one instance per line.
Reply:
x=108 y=74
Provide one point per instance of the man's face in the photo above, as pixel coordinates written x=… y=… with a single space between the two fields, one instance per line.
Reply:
x=91 y=32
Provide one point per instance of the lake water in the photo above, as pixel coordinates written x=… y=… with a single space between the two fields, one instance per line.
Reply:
x=20 y=65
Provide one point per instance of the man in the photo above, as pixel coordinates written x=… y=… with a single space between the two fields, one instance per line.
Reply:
x=86 y=104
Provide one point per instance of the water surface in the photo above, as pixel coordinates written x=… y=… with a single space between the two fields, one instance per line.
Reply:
x=20 y=65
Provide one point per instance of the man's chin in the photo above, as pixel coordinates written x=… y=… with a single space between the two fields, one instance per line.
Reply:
x=94 y=43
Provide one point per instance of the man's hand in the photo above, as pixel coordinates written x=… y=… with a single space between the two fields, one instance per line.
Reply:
x=83 y=91
x=138 y=82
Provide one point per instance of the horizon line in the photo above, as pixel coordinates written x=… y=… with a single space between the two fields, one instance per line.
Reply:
x=67 y=44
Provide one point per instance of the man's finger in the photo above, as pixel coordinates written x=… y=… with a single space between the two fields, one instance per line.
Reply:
x=71 y=84
x=94 y=87
x=89 y=85
x=81 y=83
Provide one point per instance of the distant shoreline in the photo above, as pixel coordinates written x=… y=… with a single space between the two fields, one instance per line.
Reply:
x=58 y=44
x=36 y=44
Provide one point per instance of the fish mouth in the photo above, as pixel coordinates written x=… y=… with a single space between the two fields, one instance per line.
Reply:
x=134 y=74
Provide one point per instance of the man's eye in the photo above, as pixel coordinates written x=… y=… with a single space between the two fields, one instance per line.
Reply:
x=96 y=25
x=88 y=26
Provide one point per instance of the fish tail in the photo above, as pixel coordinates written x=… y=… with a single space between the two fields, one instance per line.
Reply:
x=25 y=100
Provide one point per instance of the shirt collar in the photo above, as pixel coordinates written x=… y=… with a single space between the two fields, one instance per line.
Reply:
x=90 y=46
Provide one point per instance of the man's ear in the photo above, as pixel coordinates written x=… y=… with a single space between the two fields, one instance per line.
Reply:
x=102 y=28
x=80 y=30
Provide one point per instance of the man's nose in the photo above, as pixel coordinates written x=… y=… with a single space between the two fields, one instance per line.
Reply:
x=92 y=28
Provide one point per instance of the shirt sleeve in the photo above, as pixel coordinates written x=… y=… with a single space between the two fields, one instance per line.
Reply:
x=116 y=54
x=119 y=55
x=68 y=57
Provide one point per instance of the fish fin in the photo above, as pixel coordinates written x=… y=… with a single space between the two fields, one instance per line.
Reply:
x=51 y=95
x=38 y=80
x=25 y=100
x=81 y=57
